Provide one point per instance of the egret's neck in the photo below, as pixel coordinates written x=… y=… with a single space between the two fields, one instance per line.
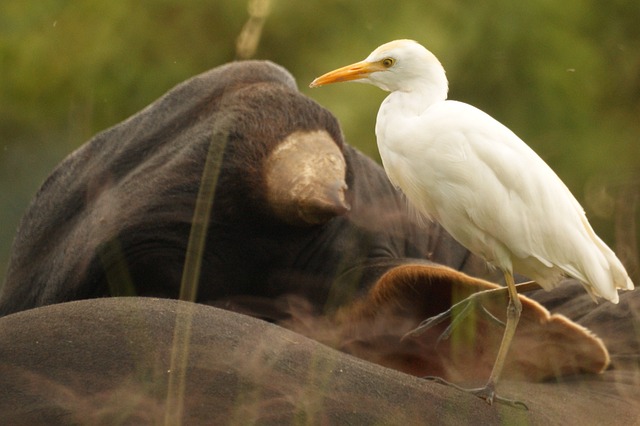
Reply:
x=419 y=97
x=399 y=110
x=402 y=106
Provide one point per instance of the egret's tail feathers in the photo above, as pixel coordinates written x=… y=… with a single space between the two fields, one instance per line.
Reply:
x=591 y=262
x=602 y=272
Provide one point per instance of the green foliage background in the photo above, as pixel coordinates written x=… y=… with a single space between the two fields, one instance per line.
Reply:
x=565 y=76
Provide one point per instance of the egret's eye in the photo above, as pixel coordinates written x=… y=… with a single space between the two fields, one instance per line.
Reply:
x=388 y=62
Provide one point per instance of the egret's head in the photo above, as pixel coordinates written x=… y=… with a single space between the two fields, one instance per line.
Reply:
x=400 y=65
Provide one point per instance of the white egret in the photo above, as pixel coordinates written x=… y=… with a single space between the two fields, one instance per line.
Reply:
x=483 y=184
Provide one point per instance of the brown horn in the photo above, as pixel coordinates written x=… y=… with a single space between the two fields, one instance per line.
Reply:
x=305 y=177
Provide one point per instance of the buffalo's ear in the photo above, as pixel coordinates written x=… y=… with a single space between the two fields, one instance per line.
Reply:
x=545 y=345
x=305 y=179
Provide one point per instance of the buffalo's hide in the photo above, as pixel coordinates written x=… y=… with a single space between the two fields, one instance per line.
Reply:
x=108 y=361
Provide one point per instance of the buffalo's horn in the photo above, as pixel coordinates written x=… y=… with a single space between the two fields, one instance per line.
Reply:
x=305 y=177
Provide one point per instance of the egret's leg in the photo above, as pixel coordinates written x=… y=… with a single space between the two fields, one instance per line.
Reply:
x=488 y=392
x=513 y=316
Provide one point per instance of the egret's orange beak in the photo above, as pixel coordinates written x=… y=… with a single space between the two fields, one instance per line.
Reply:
x=349 y=73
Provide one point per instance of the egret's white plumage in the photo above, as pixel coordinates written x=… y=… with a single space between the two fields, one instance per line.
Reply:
x=483 y=184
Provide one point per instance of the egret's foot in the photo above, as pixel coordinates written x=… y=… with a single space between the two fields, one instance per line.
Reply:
x=457 y=313
x=488 y=393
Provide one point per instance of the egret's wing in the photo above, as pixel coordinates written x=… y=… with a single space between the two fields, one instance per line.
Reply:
x=497 y=196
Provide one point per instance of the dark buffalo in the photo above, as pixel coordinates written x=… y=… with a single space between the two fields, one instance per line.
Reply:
x=109 y=361
x=235 y=182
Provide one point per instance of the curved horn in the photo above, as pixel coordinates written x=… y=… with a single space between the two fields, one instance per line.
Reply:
x=305 y=177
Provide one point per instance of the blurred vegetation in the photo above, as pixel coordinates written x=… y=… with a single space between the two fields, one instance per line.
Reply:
x=565 y=76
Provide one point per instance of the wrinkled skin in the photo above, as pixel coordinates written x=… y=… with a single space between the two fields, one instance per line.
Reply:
x=331 y=254
x=112 y=367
